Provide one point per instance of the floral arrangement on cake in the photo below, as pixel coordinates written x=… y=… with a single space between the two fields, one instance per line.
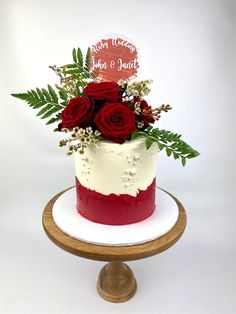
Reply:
x=89 y=111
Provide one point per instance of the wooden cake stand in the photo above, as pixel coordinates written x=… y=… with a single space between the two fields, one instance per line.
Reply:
x=116 y=282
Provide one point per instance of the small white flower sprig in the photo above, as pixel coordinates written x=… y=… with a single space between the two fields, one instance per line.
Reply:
x=136 y=89
x=79 y=139
x=134 y=93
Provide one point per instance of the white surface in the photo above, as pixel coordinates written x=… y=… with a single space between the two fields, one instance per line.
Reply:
x=188 y=48
x=160 y=222
x=108 y=167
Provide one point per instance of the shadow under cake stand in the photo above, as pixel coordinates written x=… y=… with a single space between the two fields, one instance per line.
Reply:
x=116 y=282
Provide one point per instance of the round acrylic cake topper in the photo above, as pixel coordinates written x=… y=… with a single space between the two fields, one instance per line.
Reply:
x=114 y=58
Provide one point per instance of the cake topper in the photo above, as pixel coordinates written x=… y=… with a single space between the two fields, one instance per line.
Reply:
x=114 y=59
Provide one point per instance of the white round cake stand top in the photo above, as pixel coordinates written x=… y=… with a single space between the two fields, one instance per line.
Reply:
x=67 y=218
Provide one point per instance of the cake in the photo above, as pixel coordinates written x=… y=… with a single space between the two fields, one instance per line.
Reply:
x=111 y=130
x=116 y=183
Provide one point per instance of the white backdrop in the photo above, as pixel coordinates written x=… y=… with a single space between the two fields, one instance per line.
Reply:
x=188 y=49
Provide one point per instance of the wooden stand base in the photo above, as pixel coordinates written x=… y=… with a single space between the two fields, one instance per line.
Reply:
x=116 y=282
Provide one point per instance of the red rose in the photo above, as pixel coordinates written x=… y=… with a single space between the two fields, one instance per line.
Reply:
x=77 y=113
x=116 y=122
x=106 y=91
x=146 y=112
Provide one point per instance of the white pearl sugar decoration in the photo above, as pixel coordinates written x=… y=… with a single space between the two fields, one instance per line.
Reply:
x=130 y=174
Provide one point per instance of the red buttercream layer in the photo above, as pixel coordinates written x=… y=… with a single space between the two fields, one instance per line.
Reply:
x=115 y=209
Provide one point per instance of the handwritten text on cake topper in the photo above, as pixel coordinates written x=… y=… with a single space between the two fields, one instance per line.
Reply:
x=114 y=59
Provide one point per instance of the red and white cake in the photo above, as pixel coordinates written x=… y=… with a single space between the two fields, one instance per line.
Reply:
x=115 y=183
x=110 y=130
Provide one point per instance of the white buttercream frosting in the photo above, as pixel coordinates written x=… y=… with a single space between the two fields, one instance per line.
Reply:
x=108 y=167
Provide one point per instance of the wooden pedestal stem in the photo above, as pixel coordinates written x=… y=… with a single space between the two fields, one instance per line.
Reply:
x=116 y=282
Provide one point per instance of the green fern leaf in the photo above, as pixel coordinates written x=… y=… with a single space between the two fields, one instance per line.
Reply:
x=22 y=96
x=38 y=104
x=53 y=120
x=46 y=100
x=52 y=94
x=46 y=94
x=63 y=94
x=168 y=151
x=42 y=111
x=88 y=59
x=74 y=55
x=148 y=142
x=176 y=156
x=40 y=94
x=80 y=57
x=172 y=143
x=134 y=135
x=49 y=113
x=35 y=95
